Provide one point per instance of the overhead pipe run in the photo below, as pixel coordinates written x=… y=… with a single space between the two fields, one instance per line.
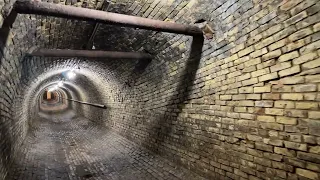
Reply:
x=57 y=10
x=90 y=54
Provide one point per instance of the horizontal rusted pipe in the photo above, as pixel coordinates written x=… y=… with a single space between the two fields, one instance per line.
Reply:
x=90 y=54
x=87 y=103
x=57 y=10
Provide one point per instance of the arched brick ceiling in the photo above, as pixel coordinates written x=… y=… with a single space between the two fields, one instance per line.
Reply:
x=236 y=109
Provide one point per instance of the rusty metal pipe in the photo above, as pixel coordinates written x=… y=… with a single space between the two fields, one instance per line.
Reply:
x=90 y=54
x=91 y=104
x=86 y=103
x=57 y=10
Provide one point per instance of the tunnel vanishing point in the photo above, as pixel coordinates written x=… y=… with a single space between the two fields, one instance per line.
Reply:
x=160 y=89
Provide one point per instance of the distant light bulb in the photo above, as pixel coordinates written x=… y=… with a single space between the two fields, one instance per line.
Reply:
x=60 y=84
x=71 y=75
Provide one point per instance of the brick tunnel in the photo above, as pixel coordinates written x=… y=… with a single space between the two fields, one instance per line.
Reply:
x=239 y=100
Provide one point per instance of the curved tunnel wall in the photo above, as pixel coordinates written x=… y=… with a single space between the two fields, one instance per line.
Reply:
x=245 y=105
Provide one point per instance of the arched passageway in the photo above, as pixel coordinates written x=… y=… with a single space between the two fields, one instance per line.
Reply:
x=163 y=89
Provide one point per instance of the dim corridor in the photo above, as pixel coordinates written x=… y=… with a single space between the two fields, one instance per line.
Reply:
x=71 y=147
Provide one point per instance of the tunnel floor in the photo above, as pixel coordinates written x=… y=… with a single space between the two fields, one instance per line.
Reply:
x=75 y=148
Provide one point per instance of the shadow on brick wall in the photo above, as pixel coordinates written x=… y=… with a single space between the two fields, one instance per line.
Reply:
x=165 y=122
x=6 y=124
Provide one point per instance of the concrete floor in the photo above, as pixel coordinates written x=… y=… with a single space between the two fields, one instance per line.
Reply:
x=75 y=148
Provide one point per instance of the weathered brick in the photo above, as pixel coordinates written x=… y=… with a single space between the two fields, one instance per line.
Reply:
x=263 y=147
x=263 y=103
x=309 y=157
x=225 y=97
x=266 y=118
x=312 y=78
x=300 y=34
x=274 y=111
x=284 y=151
x=288 y=56
x=260 y=72
x=278 y=44
x=271 y=55
x=290 y=71
x=313 y=167
x=240 y=173
x=273 y=29
x=284 y=33
x=262 y=89
x=311 y=64
x=250 y=81
x=296 y=146
x=289 y=4
x=246 y=90
x=315 y=149
x=249 y=69
x=252 y=62
x=295 y=138
x=292 y=80
x=308 y=21
x=274 y=142
x=314 y=114
x=238 y=97
x=247 y=116
x=296 y=18
x=266 y=64
x=306 y=105
x=254 y=39
x=294 y=45
x=316 y=27
x=253 y=138
x=273 y=96
x=280 y=66
x=310 y=47
x=268 y=77
x=292 y=96
x=281 y=88
x=244 y=77
x=294 y=162
x=286 y=120
x=246 y=51
x=273 y=126
x=276 y=172
x=304 y=58
x=295 y=113
x=284 y=104
x=258 y=53
x=302 y=6
x=253 y=96
x=309 y=139
x=240 y=109
x=237 y=48
x=308 y=174
x=264 y=43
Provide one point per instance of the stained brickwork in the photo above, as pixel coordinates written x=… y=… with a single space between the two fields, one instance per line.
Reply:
x=247 y=107
x=251 y=111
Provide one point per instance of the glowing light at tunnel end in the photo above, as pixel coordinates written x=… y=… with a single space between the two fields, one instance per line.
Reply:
x=60 y=84
x=71 y=75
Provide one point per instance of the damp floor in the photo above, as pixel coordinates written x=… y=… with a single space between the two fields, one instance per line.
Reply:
x=74 y=148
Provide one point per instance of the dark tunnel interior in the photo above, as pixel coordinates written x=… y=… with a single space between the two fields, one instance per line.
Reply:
x=214 y=89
